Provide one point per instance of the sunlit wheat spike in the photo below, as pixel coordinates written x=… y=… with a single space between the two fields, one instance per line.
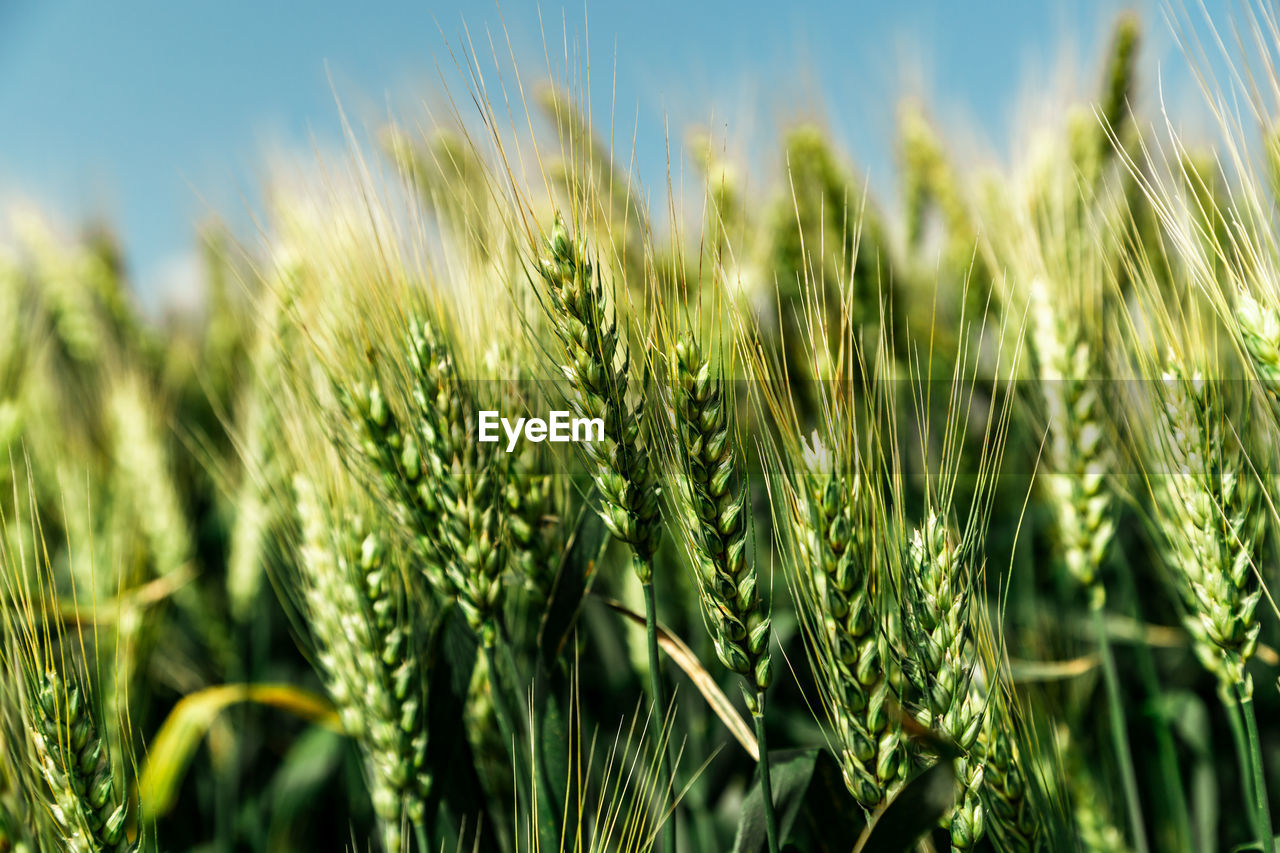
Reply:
x=69 y=774
x=1259 y=326
x=599 y=377
x=72 y=759
x=369 y=648
x=833 y=539
x=942 y=663
x=1076 y=463
x=447 y=487
x=714 y=496
x=1212 y=519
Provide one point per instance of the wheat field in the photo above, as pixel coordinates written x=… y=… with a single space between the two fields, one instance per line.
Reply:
x=806 y=519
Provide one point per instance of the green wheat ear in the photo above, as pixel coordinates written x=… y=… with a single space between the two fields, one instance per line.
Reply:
x=736 y=615
x=833 y=531
x=942 y=663
x=598 y=389
x=1076 y=458
x=446 y=489
x=73 y=761
x=369 y=651
x=1011 y=813
x=1213 y=522
x=535 y=504
x=1260 y=333
x=711 y=495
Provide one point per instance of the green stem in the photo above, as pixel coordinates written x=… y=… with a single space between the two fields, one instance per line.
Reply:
x=420 y=832
x=665 y=761
x=1232 y=707
x=1175 y=800
x=1120 y=732
x=766 y=783
x=505 y=719
x=500 y=709
x=1259 y=771
x=512 y=673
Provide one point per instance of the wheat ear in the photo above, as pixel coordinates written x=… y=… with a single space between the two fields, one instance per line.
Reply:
x=941 y=663
x=833 y=532
x=1011 y=814
x=598 y=388
x=1213 y=521
x=736 y=616
x=72 y=759
x=368 y=652
x=447 y=490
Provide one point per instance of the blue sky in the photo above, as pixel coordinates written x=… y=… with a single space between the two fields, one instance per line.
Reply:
x=155 y=115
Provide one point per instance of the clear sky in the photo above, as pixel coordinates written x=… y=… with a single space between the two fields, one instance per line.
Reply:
x=153 y=114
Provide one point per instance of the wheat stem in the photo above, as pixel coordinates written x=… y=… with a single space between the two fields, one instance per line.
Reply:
x=1261 y=800
x=599 y=374
x=1120 y=733
x=766 y=783
x=502 y=712
x=666 y=761
x=1170 y=769
x=1243 y=757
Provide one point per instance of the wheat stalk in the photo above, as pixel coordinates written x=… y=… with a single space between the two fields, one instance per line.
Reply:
x=1212 y=521
x=598 y=388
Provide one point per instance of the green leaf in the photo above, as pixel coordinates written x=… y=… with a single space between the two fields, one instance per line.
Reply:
x=573 y=580
x=175 y=744
x=815 y=812
x=916 y=809
x=457 y=797
x=1188 y=716
x=306 y=770
x=553 y=737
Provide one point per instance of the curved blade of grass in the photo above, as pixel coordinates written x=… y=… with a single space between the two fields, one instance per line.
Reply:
x=189 y=721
